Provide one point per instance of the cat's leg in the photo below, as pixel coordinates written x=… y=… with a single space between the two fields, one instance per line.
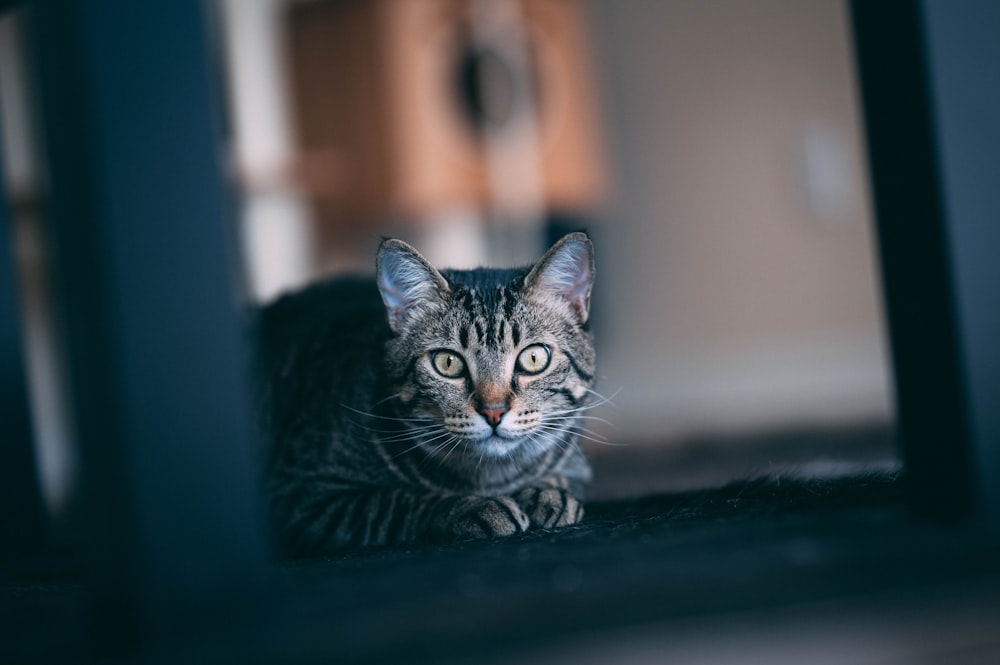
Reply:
x=550 y=503
x=480 y=517
x=386 y=516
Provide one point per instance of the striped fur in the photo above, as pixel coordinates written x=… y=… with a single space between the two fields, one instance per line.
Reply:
x=370 y=444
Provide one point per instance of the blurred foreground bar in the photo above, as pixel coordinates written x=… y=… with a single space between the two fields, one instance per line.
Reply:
x=931 y=89
x=22 y=531
x=145 y=271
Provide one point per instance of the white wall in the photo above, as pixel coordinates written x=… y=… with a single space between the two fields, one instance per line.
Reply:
x=737 y=287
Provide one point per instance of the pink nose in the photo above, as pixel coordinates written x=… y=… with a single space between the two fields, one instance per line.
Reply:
x=493 y=414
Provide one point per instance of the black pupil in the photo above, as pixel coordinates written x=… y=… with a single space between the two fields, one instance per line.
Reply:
x=447 y=362
x=532 y=360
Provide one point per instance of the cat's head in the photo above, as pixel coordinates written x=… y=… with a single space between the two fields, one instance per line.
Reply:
x=499 y=360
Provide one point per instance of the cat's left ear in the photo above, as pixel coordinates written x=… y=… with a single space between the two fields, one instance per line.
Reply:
x=407 y=282
x=565 y=274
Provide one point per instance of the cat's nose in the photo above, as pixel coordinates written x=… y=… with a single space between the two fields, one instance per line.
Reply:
x=493 y=413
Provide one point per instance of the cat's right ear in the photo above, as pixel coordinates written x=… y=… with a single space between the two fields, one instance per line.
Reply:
x=565 y=275
x=407 y=282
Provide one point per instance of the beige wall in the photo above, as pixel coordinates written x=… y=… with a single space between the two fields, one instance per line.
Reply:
x=736 y=267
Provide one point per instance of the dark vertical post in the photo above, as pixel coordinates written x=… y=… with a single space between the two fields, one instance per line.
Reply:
x=937 y=285
x=145 y=272
x=22 y=515
x=963 y=55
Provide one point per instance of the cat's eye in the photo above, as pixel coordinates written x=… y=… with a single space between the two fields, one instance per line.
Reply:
x=533 y=359
x=448 y=363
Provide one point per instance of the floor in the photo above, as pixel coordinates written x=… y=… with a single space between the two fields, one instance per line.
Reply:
x=772 y=567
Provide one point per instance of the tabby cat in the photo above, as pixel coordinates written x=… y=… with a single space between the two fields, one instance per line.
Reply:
x=429 y=404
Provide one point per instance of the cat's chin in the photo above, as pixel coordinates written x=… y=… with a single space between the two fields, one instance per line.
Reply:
x=498 y=446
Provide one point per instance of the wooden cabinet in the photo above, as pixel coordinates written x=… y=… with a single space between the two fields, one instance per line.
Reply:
x=406 y=108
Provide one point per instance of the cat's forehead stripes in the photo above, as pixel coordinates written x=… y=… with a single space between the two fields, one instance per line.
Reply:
x=489 y=313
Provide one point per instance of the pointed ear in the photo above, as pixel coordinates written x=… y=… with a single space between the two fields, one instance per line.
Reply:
x=565 y=273
x=406 y=281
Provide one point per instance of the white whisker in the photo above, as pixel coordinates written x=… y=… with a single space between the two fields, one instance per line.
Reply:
x=393 y=434
x=580 y=432
x=456 y=442
x=586 y=434
x=601 y=399
x=423 y=442
x=548 y=440
x=562 y=419
x=383 y=401
x=425 y=419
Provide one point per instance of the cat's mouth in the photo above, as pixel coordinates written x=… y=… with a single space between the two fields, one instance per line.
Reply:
x=499 y=441
x=481 y=440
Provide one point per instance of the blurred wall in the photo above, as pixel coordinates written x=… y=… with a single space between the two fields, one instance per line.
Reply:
x=737 y=286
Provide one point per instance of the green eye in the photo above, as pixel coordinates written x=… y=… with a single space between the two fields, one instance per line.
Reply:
x=448 y=363
x=533 y=359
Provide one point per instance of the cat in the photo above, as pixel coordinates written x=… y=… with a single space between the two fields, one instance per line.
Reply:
x=426 y=404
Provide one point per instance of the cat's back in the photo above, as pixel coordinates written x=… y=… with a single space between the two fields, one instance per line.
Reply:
x=341 y=307
x=320 y=343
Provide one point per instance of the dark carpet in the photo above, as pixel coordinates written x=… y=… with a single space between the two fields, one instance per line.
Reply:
x=748 y=546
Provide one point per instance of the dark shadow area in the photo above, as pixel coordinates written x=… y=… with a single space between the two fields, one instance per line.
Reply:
x=760 y=543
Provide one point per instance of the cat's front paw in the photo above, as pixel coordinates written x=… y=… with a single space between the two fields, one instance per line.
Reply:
x=488 y=517
x=549 y=507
